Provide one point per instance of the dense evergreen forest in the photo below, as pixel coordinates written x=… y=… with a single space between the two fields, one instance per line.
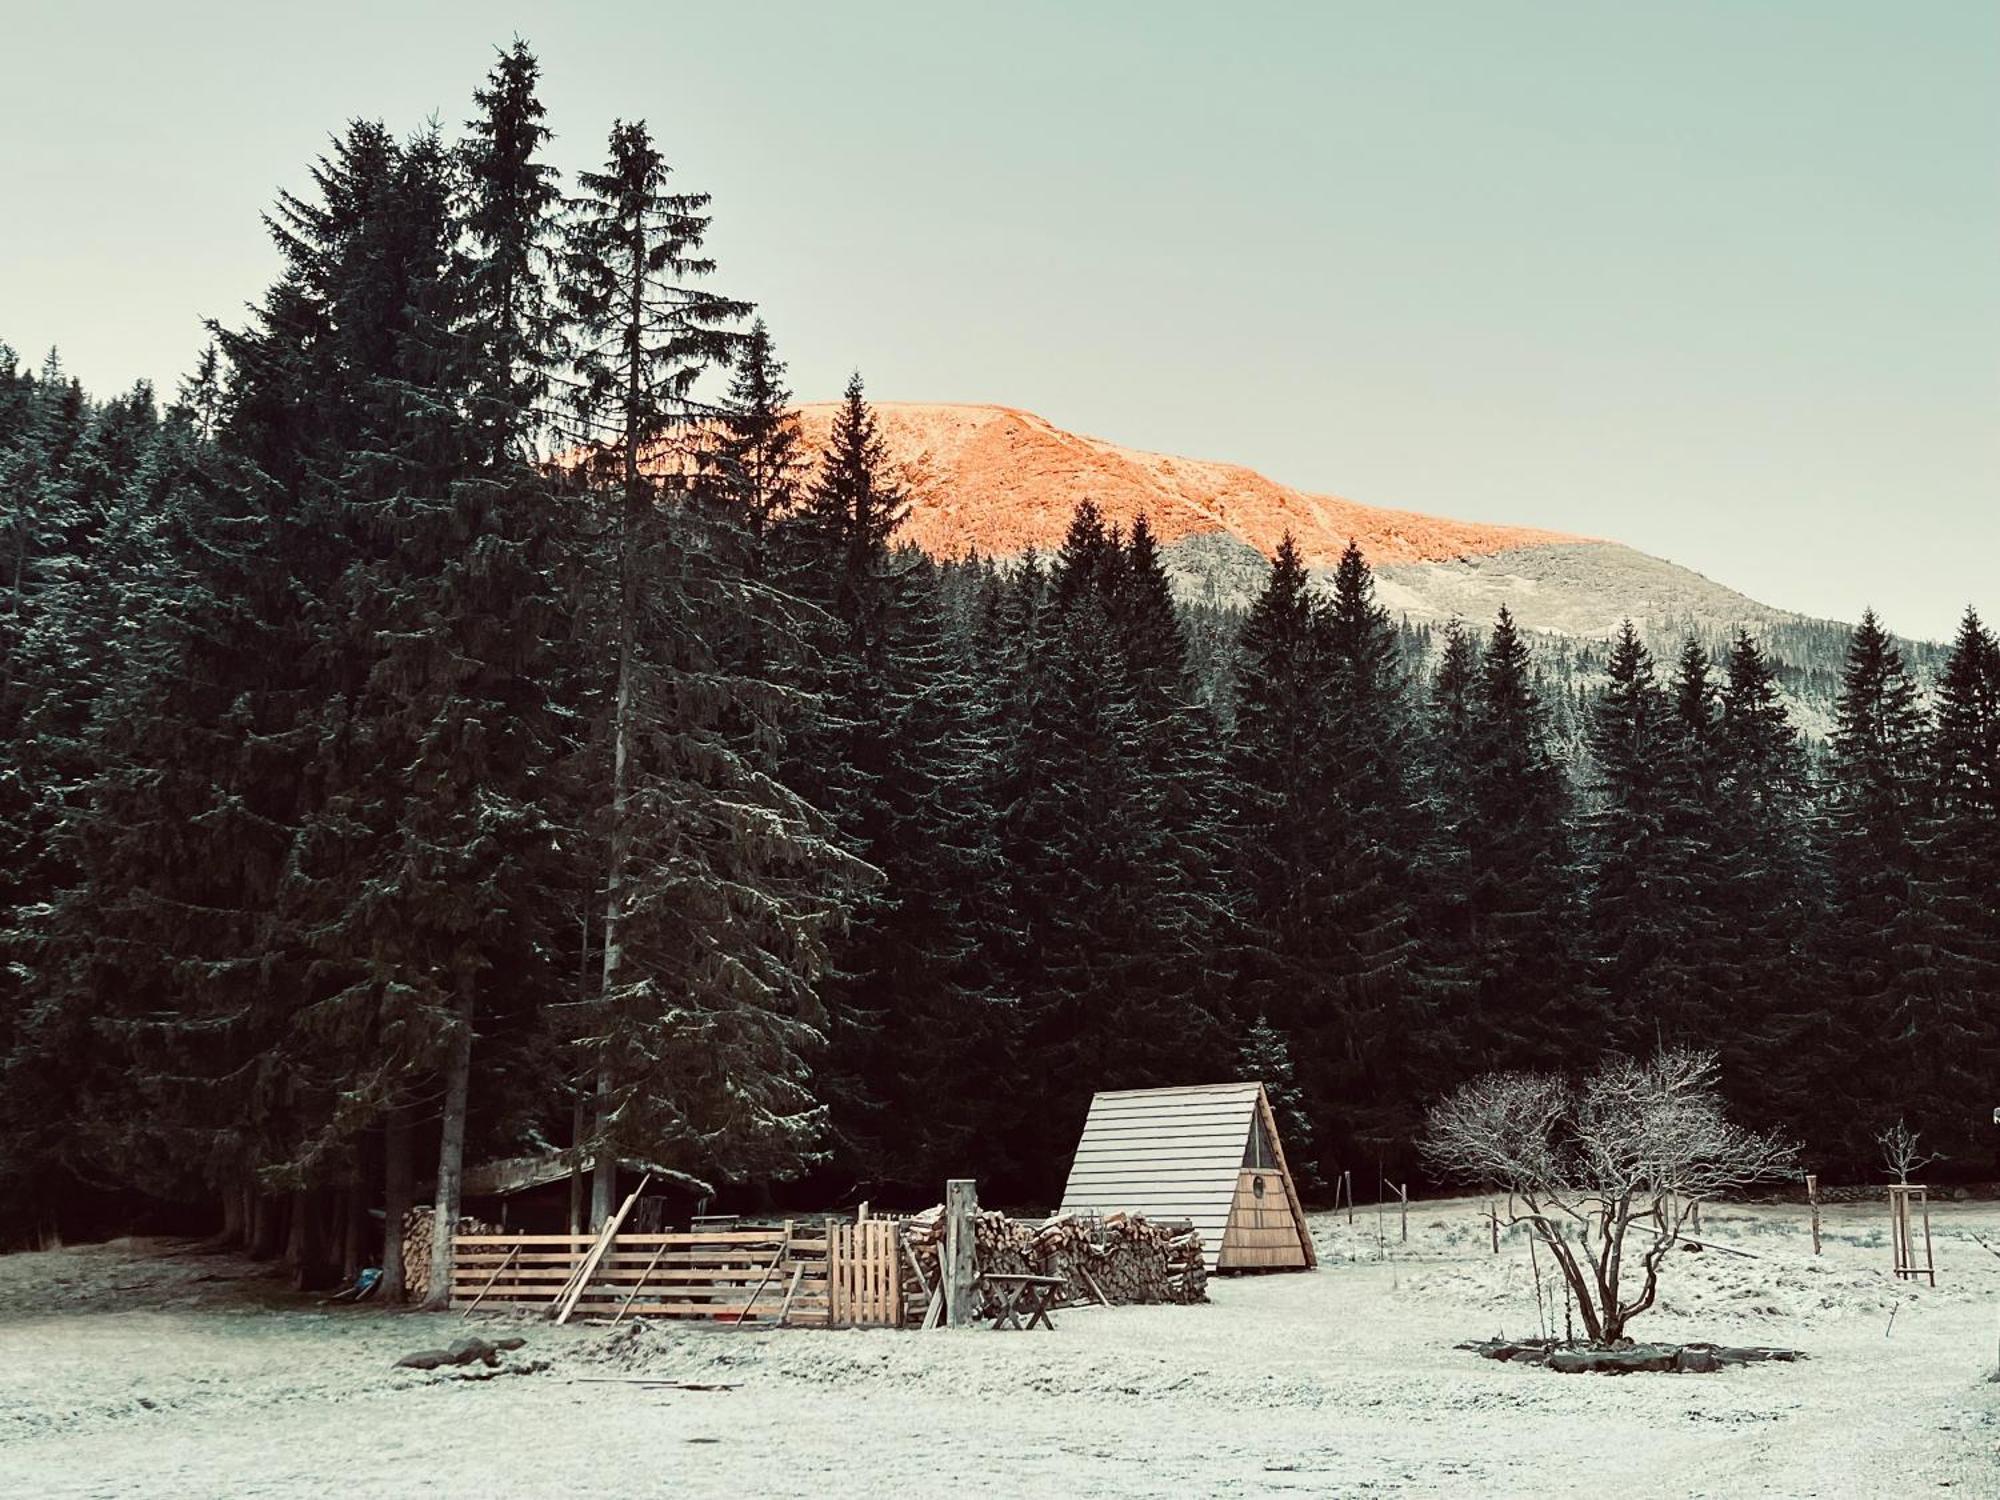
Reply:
x=464 y=720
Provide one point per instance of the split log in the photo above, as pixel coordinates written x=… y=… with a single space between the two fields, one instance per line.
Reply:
x=417 y=1247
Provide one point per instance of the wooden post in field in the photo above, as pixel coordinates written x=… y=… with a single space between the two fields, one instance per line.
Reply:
x=956 y=1269
x=1930 y=1265
x=1812 y=1198
x=1696 y=1212
x=1347 y=1184
x=1493 y=1216
x=1403 y=1193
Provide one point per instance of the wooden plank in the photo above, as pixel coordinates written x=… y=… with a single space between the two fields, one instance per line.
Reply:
x=776 y=1261
x=1260 y=1259
x=1207 y=1166
x=1269 y=1120
x=1176 y=1132
x=487 y=1287
x=540 y=1261
x=917 y=1267
x=1172 y=1115
x=637 y=1287
x=1104 y=1107
x=833 y=1233
x=1158 y=1165
x=623 y=1277
x=680 y=1237
x=738 y=1312
x=791 y=1295
x=604 y=1240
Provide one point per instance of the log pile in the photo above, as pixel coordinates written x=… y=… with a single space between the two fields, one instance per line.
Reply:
x=1125 y=1258
x=417 y=1247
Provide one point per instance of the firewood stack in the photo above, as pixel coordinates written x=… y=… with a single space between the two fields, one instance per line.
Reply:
x=1125 y=1257
x=417 y=1247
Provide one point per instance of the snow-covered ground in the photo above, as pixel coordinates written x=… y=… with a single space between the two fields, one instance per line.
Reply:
x=140 y=1368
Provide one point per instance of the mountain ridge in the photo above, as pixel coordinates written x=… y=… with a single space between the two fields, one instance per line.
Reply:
x=998 y=480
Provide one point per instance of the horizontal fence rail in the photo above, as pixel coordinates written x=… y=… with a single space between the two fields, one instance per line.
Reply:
x=840 y=1275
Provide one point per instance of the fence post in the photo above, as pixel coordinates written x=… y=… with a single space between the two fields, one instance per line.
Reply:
x=1812 y=1197
x=961 y=1202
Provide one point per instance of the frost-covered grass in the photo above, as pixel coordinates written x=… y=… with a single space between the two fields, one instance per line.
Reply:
x=149 y=1370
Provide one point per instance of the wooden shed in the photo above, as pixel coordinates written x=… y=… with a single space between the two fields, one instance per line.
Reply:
x=1209 y=1154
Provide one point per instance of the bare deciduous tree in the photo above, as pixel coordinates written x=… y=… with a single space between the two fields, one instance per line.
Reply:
x=1623 y=1156
x=1901 y=1151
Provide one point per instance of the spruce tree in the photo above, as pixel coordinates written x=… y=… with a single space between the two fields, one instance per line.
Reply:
x=1640 y=893
x=1881 y=937
x=1960 y=877
x=1521 y=867
x=892 y=757
x=757 y=459
x=701 y=1030
x=509 y=198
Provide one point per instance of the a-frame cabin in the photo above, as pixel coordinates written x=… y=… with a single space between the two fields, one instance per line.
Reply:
x=1209 y=1154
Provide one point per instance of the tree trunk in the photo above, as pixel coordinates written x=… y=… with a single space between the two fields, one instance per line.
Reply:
x=604 y=1171
x=263 y=1226
x=234 y=1229
x=576 y=1165
x=604 y=1176
x=1580 y=1288
x=451 y=1151
x=299 y=1238
x=354 y=1236
x=396 y=1190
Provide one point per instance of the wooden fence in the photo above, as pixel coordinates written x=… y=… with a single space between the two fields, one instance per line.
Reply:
x=864 y=1274
x=842 y=1275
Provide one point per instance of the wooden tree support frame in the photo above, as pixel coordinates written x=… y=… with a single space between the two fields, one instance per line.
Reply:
x=1901 y=1232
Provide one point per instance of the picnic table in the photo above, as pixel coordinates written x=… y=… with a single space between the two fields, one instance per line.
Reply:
x=1014 y=1294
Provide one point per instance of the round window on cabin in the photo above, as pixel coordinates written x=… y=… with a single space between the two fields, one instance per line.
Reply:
x=1257 y=1186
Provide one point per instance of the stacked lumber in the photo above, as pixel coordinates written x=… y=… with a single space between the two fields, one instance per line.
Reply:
x=1123 y=1258
x=417 y=1247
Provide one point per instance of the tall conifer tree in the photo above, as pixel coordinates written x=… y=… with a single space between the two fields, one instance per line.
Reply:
x=702 y=1026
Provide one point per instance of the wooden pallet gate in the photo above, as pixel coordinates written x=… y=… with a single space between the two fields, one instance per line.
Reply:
x=864 y=1275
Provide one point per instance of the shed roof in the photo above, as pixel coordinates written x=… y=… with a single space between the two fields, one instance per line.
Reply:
x=520 y=1174
x=1167 y=1153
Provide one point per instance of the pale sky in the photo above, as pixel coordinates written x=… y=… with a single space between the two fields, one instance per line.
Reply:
x=1718 y=280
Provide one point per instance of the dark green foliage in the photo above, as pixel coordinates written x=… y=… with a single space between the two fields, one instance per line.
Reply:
x=1880 y=941
x=1521 y=872
x=1640 y=893
x=700 y=1035
x=1959 y=880
x=1328 y=840
x=896 y=755
x=476 y=620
